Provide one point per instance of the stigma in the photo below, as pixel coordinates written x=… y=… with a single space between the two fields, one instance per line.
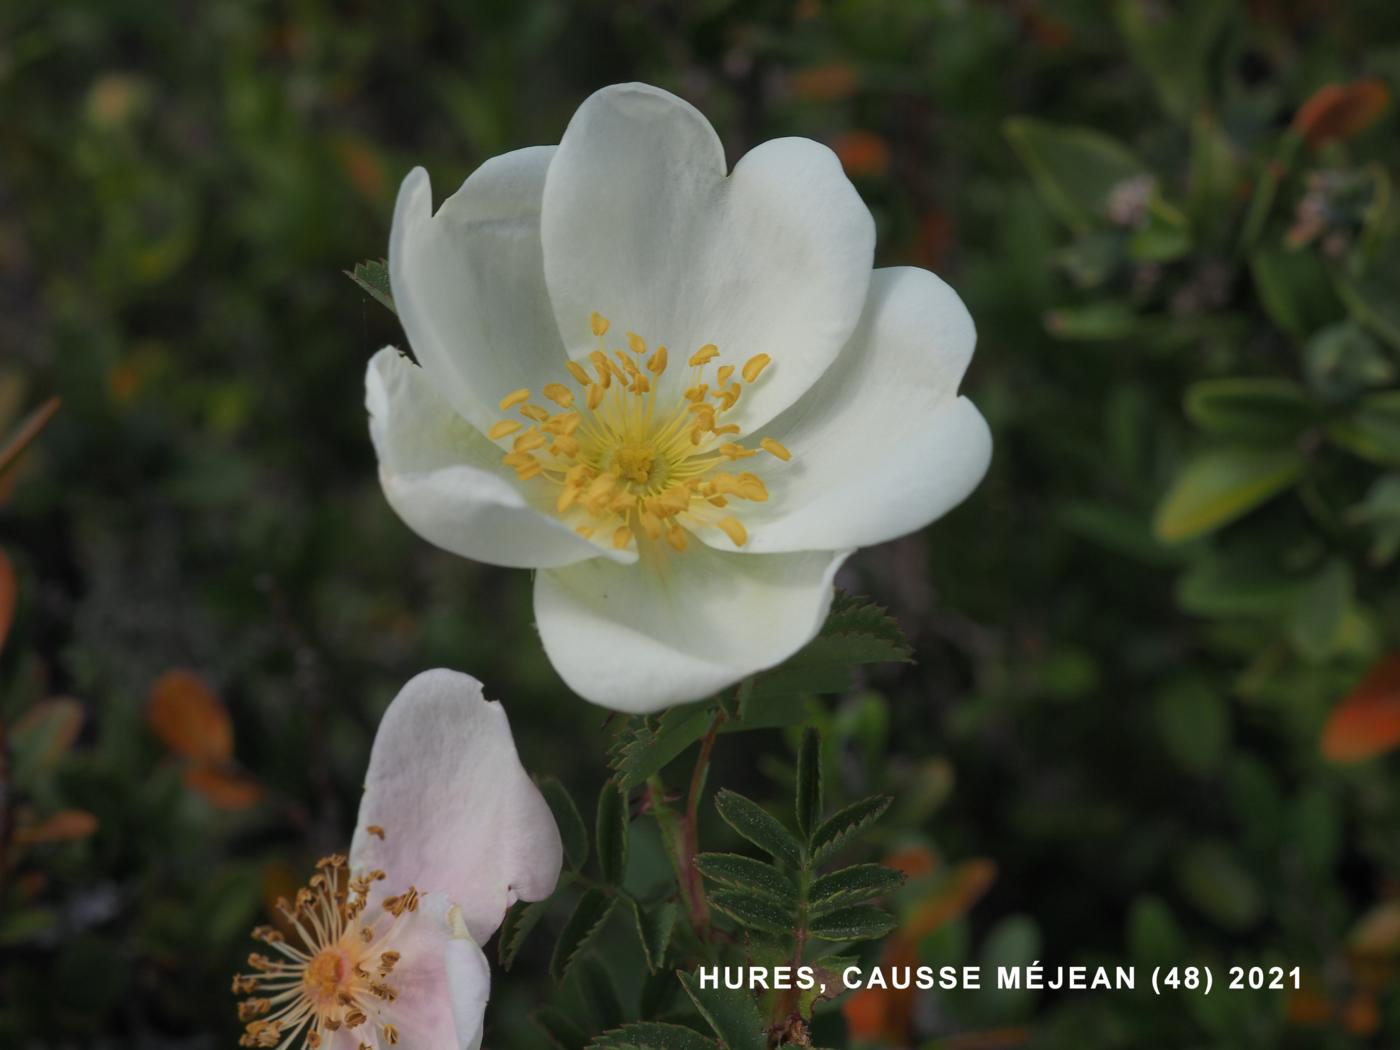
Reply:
x=630 y=459
x=333 y=969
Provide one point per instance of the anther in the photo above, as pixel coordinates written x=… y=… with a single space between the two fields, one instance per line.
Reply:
x=754 y=366
x=515 y=397
x=734 y=529
x=775 y=448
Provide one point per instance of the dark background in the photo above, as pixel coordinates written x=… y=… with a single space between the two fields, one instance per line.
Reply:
x=1117 y=735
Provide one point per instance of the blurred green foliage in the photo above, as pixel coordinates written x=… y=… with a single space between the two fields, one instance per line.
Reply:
x=1174 y=225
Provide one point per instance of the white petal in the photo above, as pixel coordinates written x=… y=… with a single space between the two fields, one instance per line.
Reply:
x=468 y=283
x=638 y=638
x=442 y=982
x=446 y=480
x=641 y=224
x=882 y=445
x=459 y=814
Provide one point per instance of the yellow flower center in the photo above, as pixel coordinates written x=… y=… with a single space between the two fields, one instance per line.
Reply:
x=626 y=467
x=337 y=976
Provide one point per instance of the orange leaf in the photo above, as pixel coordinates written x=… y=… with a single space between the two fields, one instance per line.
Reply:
x=829 y=83
x=1378 y=932
x=1308 y=1007
x=9 y=596
x=884 y=1015
x=29 y=429
x=49 y=727
x=67 y=825
x=223 y=787
x=1367 y=722
x=189 y=718
x=1361 y=1016
x=963 y=888
x=915 y=861
x=1337 y=112
x=362 y=167
x=862 y=153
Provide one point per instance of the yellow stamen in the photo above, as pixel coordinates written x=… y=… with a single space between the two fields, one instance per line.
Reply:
x=773 y=447
x=515 y=397
x=754 y=366
x=734 y=529
x=324 y=975
x=559 y=394
x=636 y=460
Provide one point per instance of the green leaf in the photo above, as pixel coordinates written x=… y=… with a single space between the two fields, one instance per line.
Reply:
x=650 y=744
x=652 y=1035
x=1321 y=611
x=809 y=781
x=851 y=885
x=588 y=917
x=1118 y=529
x=654 y=928
x=1235 y=584
x=1214 y=179
x=754 y=912
x=748 y=875
x=599 y=994
x=759 y=826
x=1164 y=236
x=1194 y=721
x=859 y=923
x=612 y=830
x=1380 y=511
x=559 y=1028
x=1094 y=322
x=1294 y=289
x=519 y=921
x=572 y=831
x=1154 y=938
x=1371 y=302
x=1249 y=408
x=1221 y=485
x=1372 y=431
x=1075 y=169
x=1343 y=360
x=732 y=1014
x=856 y=632
x=1174 y=45
x=373 y=276
x=1213 y=879
x=1014 y=941
x=838 y=828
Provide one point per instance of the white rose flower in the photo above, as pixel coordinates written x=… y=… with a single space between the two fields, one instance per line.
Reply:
x=679 y=393
x=384 y=947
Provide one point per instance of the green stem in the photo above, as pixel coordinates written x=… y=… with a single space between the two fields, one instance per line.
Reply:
x=1262 y=202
